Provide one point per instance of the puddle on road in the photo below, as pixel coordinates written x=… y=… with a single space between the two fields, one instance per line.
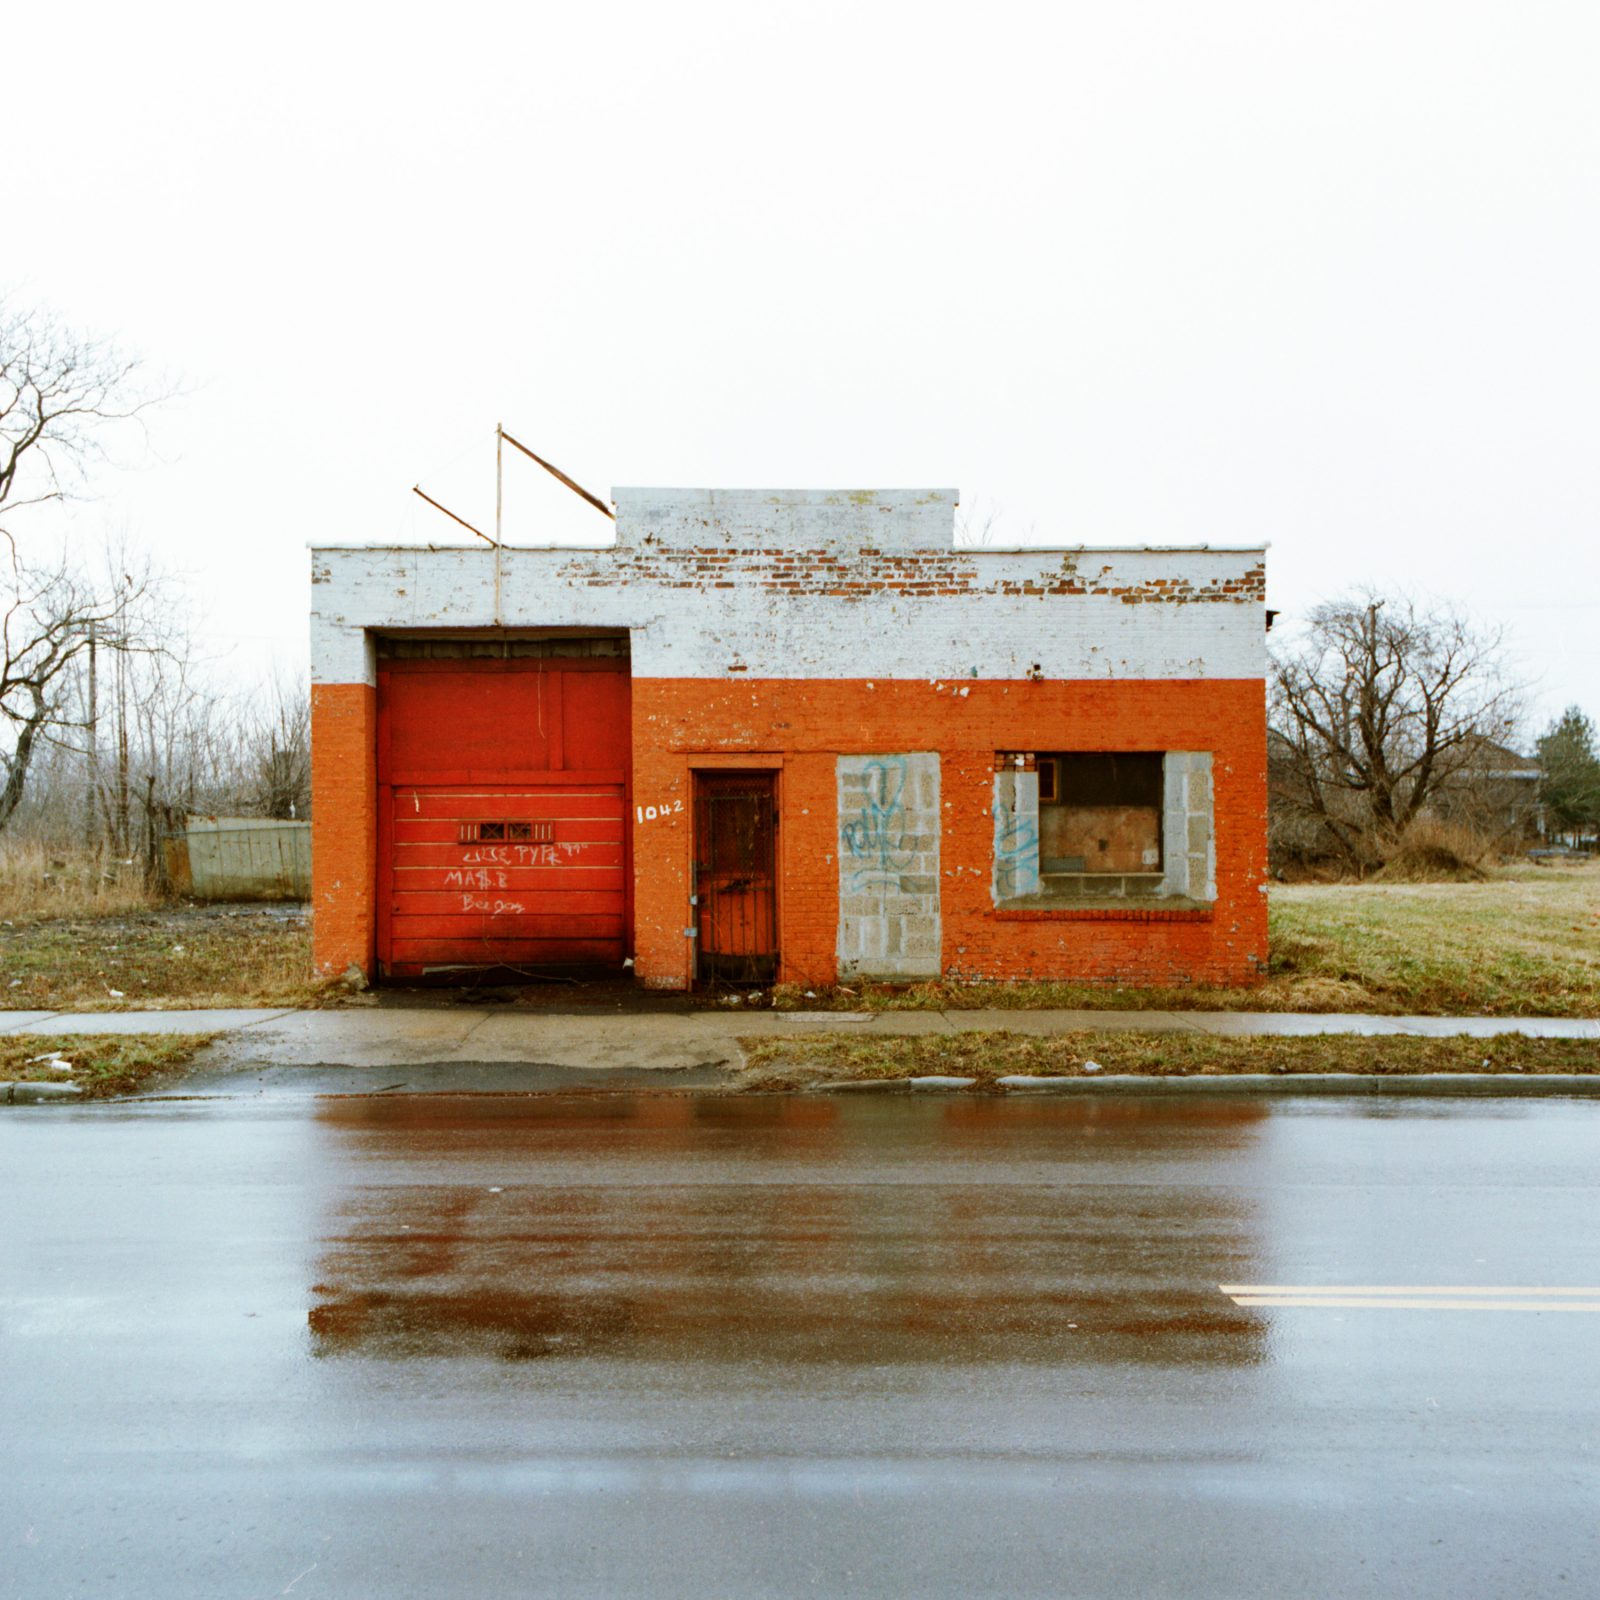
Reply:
x=795 y=1230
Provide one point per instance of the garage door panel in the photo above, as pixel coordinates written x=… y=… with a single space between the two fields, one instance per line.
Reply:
x=592 y=705
x=418 y=803
x=556 y=897
x=539 y=903
x=474 y=718
x=496 y=875
x=448 y=855
x=497 y=925
x=414 y=954
x=474 y=880
x=425 y=832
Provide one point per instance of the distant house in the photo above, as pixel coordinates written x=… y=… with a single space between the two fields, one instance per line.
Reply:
x=1495 y=790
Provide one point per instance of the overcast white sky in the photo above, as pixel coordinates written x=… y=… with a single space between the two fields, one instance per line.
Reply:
x=1324 y=275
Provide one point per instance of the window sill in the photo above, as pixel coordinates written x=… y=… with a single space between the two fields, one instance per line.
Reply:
x=1103 y=908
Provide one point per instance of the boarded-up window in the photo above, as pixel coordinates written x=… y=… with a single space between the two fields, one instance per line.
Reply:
x=1100 y=813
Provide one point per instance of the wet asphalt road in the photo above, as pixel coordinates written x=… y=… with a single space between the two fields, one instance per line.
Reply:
x=706 y=1346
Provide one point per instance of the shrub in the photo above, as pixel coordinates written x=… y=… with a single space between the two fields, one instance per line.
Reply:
x=1431 y=851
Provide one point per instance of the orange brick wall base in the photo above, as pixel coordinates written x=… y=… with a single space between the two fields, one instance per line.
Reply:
x=680 y=724
x=800 y=727
x=344 y=827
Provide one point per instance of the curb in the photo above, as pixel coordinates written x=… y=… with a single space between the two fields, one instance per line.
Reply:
x=862 y=1086
x=37 y=1094
x=1478 y=1084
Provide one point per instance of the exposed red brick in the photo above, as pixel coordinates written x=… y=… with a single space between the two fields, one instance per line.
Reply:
x=344 y=852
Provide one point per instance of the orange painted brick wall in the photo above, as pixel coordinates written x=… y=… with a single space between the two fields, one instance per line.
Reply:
x=344 y=831
x=810 y=722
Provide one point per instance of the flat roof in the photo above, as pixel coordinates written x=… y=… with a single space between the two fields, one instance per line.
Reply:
x=962 y=549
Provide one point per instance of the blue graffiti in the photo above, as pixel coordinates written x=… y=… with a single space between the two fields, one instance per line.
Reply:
x=1016 y=853
x=876 y=837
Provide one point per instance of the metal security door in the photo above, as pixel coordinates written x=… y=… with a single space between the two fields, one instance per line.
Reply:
x=735 y=875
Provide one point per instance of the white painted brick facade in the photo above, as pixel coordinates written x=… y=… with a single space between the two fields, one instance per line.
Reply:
x=794 y=584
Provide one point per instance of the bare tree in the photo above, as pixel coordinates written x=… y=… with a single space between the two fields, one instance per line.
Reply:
x=277 y=748
x=1377 y=709
x=49 y=617
x=61 y=395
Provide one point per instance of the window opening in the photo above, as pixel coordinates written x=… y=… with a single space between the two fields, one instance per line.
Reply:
x=1103 y=817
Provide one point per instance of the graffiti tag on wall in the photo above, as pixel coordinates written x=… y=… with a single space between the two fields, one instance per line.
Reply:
x=875 y=838
x=1016 y=853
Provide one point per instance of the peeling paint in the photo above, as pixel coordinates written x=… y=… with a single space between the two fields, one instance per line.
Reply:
x=866 y=584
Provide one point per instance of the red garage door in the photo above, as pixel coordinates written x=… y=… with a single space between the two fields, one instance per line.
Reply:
x=503 y=797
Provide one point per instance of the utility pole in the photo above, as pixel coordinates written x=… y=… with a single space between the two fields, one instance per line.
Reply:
x=499 y=500
x=124 y=809
x=91 y=829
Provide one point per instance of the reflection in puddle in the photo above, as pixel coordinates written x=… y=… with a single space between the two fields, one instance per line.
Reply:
x=773 y=1228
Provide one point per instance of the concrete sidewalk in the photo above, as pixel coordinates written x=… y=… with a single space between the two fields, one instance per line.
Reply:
x=676 y=1040
x=489 y=1049
x=221 y=1020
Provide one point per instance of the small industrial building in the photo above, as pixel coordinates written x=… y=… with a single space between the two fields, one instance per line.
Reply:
x=781 y=736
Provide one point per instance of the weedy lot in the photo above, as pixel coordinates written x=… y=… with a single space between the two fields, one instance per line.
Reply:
x=1527 y=942
x=1524 y=943
x=100 y=1064
x=160 y=960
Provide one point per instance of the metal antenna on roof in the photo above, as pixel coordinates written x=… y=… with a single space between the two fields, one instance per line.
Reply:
x=416 y=489
x=499 y=452
x=561 y=477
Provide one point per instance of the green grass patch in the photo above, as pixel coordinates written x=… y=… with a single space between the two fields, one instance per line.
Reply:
x=802 y=1063
x=103 y=1064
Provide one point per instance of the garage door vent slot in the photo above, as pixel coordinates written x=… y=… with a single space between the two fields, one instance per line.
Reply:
x=499 y=832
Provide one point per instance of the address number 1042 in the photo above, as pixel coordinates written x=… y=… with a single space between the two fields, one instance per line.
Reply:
x=665 y=809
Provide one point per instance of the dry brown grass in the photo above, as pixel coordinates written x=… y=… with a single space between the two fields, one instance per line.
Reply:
x=102 y=1064
x=802 y=1063
x=161 y=961
x=37 y=884
x=1523 y=942
x=1430 y=851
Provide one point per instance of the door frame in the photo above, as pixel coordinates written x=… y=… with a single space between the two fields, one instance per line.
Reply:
x=733 y=765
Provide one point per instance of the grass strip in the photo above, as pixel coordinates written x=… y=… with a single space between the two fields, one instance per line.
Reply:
x=103 y=1064
x=801 y=1063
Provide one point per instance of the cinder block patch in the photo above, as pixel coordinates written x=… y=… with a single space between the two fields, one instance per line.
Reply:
x=889 y=828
